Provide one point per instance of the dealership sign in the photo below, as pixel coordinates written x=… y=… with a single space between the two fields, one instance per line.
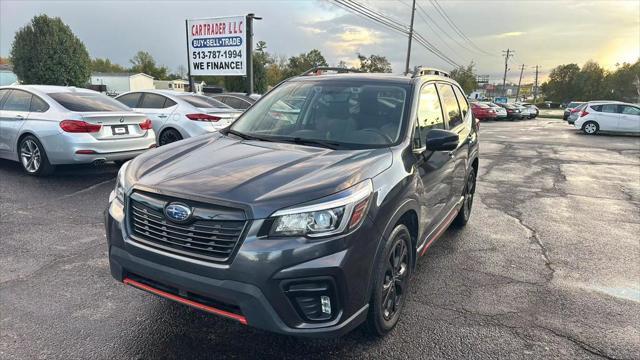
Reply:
x=217 y=46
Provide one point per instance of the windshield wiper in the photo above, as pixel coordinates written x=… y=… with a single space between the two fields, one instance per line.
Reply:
x=321 y=143
x=246 y=136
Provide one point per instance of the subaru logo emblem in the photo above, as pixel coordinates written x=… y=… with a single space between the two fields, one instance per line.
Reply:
x=178 y=212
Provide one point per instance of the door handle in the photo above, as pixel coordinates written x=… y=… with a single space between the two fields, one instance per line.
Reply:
x=162 y=116
x=19 y=117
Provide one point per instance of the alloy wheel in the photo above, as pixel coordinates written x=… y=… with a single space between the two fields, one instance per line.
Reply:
x=169 y=136
x=30 y=156
x=395 y=279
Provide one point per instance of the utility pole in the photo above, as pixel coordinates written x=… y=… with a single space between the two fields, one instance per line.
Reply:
x=519 y=82
x=413 y=13
x=249 y=51
x=535 y=87
x=508 y=53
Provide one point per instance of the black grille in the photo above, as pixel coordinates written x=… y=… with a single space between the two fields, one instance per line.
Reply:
x=213 y=240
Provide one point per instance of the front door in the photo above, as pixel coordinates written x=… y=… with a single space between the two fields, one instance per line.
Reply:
x=434 y=168
x=629 y=120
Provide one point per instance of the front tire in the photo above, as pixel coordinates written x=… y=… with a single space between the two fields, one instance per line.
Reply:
x=590 y=128
x=469 y=191
x=390 y=282
x=33 y=157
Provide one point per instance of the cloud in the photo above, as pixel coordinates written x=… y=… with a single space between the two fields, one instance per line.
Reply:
x=312 y=30
x=509 y=34
x=352 y=38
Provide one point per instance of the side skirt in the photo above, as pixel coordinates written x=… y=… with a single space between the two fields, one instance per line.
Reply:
x=442 y=226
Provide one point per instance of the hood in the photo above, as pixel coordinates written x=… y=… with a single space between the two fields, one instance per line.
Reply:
x=261 y=176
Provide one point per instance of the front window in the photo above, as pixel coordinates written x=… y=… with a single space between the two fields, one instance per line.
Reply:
x=336 y=114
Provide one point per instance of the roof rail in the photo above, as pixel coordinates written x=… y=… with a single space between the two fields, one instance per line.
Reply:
x=318 y=70
x=422 y=71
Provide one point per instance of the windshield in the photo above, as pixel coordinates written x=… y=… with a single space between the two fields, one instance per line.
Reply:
x=200 y=101
x=347 y=115
x=87 y=101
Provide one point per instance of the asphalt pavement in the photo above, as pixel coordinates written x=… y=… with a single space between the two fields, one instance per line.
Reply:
x=548 y=267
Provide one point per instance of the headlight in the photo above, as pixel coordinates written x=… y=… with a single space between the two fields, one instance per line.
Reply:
x=336 y=214
x=121 y=185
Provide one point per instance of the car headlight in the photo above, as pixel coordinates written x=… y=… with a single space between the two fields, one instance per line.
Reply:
x=332 y=215
x=121 y=184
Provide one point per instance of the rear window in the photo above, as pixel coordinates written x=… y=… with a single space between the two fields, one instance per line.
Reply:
x=85 y=102
x=573 y=104
x=203 y=101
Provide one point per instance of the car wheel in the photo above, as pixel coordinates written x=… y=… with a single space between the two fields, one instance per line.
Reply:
x=469 y=191
x=168 y=136
x=390 y=282
x=33 y=157
x=590 y=128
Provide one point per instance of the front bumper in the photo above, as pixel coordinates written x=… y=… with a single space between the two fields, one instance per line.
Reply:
x=253 y=281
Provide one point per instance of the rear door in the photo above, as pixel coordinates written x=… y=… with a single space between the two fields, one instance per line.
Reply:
x=14 y=112
x=435 y=168
x=456 y=111
x=608 y=117
x=158 y=109
x=629 y=120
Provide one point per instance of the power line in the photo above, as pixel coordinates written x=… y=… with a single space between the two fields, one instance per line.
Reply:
x=393 y=24
x=424 y=15
x=455 y=28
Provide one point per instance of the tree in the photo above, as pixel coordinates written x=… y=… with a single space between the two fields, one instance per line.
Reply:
x=303 y=62
x=623 y=83
x=276 y=69
x=466 y=77
x=589 y=82
x=143 y=62
x=46 y=51
x=105 y=65
x=260 y=60
x=561 y=85
x=4 y=61
x=374 y=64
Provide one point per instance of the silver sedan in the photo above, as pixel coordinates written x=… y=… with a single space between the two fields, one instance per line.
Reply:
x=44 y=126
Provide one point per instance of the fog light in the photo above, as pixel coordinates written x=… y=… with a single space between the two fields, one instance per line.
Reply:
x=325 y=301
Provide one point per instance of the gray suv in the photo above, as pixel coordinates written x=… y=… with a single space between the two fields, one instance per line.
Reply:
x=308 y=214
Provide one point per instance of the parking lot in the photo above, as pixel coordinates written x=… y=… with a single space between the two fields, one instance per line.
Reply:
x=548 y=267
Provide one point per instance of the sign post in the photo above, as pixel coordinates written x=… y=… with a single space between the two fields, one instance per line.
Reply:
x=217 y=46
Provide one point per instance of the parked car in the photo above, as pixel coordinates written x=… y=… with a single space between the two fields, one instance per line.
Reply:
x=513 y=112
x=44 y=126
x=531 y=112
x=306 y=228
x=483 y=112
x=572 y=105
x=501 y=113
x=610 y=117
x=235 y=101
x=575 y=113
x=179 y=115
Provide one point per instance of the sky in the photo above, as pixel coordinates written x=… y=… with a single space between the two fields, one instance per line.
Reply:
x=543 y=33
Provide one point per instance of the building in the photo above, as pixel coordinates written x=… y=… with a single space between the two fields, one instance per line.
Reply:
x=7 y=77
x=175 y=85
x=118 y=83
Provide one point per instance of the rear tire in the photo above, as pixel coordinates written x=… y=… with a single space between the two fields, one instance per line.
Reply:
x=33 y=157
x=168 y=136
x=590 y=128
x=390 y=282
x=469 y=191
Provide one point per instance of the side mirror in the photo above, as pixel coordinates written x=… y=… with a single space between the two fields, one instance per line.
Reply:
x=442 y=140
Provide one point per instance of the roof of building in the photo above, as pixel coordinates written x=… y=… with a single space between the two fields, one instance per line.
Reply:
x=117 y=74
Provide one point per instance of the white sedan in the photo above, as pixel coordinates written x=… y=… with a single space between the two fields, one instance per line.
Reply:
x=179 y=115
x=609 y=116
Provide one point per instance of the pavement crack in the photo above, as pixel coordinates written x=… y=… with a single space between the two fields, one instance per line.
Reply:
x=583 y=345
